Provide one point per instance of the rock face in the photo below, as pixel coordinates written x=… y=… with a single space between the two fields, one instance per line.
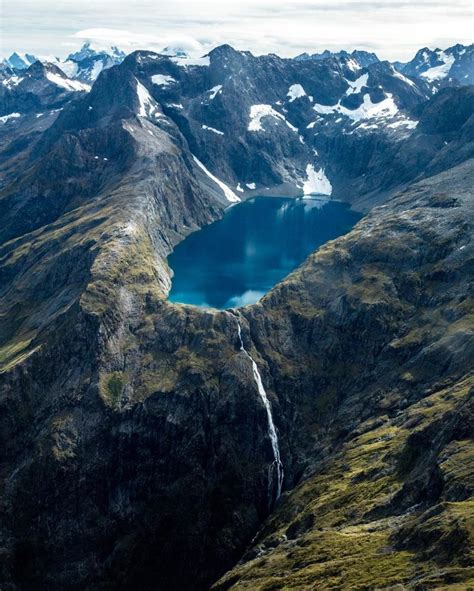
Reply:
x=134 y=431
x=379 y=389
x=455 y=65
x=87 y=63
x=40 y=88
x=331 y=123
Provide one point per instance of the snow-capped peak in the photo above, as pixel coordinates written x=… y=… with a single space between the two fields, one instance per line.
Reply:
x=21 y=61
x=92 y=50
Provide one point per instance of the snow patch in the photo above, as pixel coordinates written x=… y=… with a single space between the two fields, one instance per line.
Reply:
x=71 y=85
x=251 y=186
x=213 y=129
x=317 y=182
x=214 y=91
x=352 y=65
x=408 y=123
x=229 y=194
x=12 y=81
x=258 y=112
x=367 y=110
x=162 y=79
x=402 y=77
x=147 y=107
x=6 y=118
x=296 y=91
x=356 y=86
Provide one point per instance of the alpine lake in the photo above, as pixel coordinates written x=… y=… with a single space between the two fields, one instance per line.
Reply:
x=236 y=260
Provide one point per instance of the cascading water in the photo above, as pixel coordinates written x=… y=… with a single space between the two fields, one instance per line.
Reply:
x=276 y=465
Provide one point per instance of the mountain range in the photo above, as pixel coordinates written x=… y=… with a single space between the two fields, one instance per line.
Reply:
x=136 y=447
x=453 y=65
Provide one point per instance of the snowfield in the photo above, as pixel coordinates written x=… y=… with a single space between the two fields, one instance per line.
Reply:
x=258 y=112
x=296 y=91
x=71 y=85
x=367 y=110
x=317 y=183
x=441 y=71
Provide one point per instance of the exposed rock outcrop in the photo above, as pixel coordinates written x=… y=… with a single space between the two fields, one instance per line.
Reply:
x=134 y=432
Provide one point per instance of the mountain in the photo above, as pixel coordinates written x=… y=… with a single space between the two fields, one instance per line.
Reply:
x=441 y=67
x=134 y=434
x=294 y=117
x=83 y=65
x=20 y=61
x=385 y=499
x=360 y=57
x=39 y=88
x=87 y=63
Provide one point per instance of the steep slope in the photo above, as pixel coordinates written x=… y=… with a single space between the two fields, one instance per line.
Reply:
x=271 y=125
x=379 y=391
x=260 y=122
x=40 y=87
x=138 y=423
x=268 y=125
x=140 y=436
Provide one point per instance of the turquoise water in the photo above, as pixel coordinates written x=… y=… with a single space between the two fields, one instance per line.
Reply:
x=236 y=260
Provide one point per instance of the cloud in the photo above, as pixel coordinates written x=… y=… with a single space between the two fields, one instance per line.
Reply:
x=395 y=29
x=130 y=41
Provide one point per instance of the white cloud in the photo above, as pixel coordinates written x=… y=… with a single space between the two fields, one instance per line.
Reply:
x=393 y=28
x=129 y=41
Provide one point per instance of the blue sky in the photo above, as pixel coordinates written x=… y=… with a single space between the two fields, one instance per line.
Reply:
x=394 y=29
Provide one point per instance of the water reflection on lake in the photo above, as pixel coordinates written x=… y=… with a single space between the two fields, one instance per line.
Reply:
x=236 y=260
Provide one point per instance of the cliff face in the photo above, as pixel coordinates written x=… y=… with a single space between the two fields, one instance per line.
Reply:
x=137 y=433
x=370 y=349
x=136 y=440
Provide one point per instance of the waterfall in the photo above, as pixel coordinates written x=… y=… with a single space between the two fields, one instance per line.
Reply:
x=276 y=464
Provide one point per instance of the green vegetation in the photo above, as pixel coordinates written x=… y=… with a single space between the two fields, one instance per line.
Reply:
x=111 y=387
x=337 y=530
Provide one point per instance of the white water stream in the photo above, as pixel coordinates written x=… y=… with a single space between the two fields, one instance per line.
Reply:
x=276 y=464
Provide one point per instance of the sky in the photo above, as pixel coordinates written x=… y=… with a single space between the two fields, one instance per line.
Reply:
x=394 y=29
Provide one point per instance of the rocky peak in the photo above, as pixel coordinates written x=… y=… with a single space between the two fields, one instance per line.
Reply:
x=21 y=61
x=39 y=70
x=88 y=50
x=441 y=67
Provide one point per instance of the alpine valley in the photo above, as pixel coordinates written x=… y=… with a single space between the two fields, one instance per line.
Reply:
x=319 y=439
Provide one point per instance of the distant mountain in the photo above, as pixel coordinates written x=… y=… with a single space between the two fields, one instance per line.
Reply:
x=87 y=63
x=84 y=64
x=362 y=58
x=37 y=89
x=20 y=61
x=441 y=67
